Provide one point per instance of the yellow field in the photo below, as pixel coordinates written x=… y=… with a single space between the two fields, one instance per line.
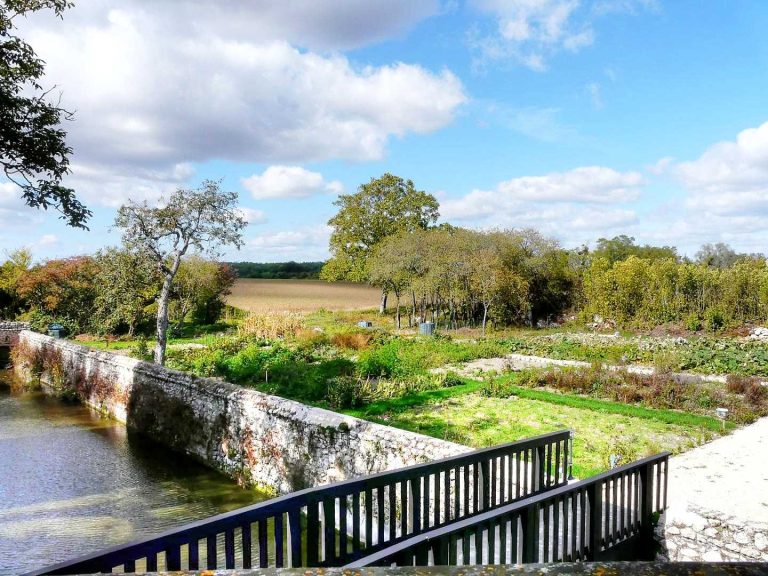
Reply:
x=257 y=295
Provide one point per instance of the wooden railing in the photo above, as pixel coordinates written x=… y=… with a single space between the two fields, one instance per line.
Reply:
x=608 y=516
x=339 y=523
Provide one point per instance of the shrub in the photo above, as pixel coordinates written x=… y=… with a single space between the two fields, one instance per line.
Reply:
x=714 y=319
x=692 y=322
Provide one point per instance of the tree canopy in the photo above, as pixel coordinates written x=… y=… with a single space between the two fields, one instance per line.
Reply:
x=33 y=150
x=380 y=208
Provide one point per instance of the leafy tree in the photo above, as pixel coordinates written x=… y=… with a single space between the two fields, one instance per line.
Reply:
x=622 y=247
x=127 y=284
x=62 y=290
x=718 y=255
x=33 y=151
x=379 y=208
x=11 y=272
x=204 y=219
x=199 y=289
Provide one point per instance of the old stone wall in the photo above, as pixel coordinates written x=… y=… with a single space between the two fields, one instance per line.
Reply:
x=254 y=437
x=9 y=332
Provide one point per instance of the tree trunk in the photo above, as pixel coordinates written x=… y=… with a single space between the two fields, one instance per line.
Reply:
x=485 y=316
x=412 y=319
x=397 y=313
x=162 y=309
x=162 y=320
x=383 y=305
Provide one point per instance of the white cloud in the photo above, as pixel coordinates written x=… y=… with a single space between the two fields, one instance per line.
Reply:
x=574 y=206
x=529 y=32
x=252 y=216
x=47 y=240
x=302 y=244
x=289 y=182
x=731 y=177
x=156 y=86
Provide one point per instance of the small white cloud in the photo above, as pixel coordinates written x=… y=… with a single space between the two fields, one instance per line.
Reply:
x=595 y=95
x=47 y=240
x=289 y=182
x=529 y=32
x=252 y=216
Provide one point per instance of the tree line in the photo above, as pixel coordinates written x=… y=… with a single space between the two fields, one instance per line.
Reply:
x=277 y=270
x=387 y=234
x=111 y=292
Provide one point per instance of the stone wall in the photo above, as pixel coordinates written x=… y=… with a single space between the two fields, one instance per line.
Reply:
x=9 y=332
x=256 y=438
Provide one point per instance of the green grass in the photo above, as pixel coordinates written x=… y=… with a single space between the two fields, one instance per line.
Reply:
x=464 y=416
x=609 y=407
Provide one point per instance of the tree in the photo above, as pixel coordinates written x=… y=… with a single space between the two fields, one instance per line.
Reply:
x=718 y=255
x=622 y=247
x=127 y=283
x=380 y=208
x=33 y=151
x=204 y=219
x=11 y=272
x=62 y=291
x=199 y=288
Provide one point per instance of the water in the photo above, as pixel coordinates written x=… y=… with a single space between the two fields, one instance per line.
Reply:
x=72 y=482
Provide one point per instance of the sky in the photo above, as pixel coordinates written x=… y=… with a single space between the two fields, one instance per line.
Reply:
x=580 y=118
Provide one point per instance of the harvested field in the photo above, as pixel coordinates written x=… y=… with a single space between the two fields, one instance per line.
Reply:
x=255 y=295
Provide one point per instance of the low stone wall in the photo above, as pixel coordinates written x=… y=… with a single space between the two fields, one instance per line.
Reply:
x=9 y=332
x=256 y=438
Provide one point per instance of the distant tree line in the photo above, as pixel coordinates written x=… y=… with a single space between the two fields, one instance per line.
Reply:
x=277 y=270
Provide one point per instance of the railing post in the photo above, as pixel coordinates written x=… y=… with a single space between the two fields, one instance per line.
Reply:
x=414 y=505
x=646 y=503
x=595 y=520
x=485 y=480
x=539 y=464
x=529 y=522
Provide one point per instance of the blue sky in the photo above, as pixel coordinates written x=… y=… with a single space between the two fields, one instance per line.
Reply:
x=580 y=118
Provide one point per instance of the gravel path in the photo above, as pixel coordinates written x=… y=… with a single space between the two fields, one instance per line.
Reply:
x=728 y=476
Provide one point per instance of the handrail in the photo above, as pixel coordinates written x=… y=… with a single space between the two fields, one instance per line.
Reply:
x=352 y=518
x=593 y=503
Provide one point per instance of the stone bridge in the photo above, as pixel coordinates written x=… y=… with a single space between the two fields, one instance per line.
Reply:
x=9 y=333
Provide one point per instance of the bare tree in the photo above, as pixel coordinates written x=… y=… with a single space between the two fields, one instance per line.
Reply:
x=204 y=219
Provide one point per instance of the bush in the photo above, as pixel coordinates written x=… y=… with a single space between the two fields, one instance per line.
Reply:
x=714 y=319
x=692 y=322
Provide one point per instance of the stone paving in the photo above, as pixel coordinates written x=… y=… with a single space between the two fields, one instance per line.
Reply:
x=718 y=496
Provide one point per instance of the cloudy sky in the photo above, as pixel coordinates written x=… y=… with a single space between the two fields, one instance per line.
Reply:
x=582 y=118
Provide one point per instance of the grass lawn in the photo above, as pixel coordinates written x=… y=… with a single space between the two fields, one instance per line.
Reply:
x=461 y=414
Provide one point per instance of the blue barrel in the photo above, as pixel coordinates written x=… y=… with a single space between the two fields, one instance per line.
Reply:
x=427 y=328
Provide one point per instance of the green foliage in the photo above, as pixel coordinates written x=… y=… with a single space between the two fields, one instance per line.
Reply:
x=643 y=293
x=659 y=391
x=380 y=208
x=622 y=247
x=33 y=149
x=400 y=358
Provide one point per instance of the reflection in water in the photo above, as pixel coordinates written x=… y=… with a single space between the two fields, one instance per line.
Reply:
x=72 y=482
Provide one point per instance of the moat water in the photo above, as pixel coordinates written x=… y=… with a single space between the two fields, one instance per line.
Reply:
x=72 y=482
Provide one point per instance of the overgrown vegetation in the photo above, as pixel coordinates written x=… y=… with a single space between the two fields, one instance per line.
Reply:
x=745 y=398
